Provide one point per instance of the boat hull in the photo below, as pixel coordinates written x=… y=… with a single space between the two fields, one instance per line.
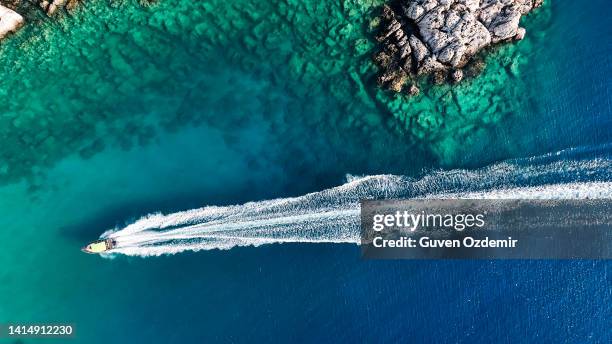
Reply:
x=99 y=246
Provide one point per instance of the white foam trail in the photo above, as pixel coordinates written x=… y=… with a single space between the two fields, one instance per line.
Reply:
x=332 y=216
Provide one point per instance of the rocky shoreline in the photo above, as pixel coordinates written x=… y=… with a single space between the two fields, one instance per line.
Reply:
x=441 y=37
x=49 y=7
x=12 y=12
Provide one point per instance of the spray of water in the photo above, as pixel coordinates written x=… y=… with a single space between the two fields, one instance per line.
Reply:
x=332 y=216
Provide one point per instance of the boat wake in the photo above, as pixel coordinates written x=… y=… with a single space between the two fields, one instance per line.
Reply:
x=332 y=216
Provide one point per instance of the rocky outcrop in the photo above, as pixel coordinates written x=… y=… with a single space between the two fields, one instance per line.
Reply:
x=50 y=7
x=10 y=21
x=421 y=37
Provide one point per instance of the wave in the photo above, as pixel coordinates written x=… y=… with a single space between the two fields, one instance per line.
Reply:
x=333 y=215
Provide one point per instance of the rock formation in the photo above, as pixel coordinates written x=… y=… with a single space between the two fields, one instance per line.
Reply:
x=10 y=21
x=51 y=6
x=439 y=37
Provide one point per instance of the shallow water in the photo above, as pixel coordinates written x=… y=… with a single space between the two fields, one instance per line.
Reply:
x=115 y=76
x=119 y=110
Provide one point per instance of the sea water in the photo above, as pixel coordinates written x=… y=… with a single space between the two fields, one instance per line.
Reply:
x=119 y=110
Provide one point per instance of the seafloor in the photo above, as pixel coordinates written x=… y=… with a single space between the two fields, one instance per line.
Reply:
x=117 y=73
x=116 y=110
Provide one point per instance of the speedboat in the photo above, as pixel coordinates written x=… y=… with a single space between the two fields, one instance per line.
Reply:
x=99 y=246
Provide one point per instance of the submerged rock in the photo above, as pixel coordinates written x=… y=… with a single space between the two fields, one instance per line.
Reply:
x=413 y=90
x=421 y=37
x=10 y=21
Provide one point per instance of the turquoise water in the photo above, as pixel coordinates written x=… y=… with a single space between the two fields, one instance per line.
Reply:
x=117 y=111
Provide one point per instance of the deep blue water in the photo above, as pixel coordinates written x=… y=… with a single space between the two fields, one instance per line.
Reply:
x=325 y=293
